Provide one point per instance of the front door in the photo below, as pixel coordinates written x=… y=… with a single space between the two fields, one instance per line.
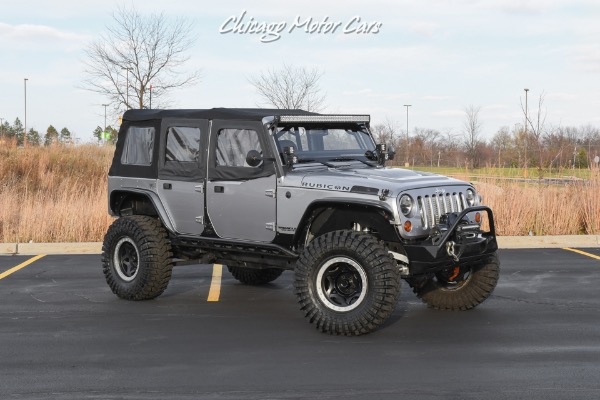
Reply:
x=240 y=198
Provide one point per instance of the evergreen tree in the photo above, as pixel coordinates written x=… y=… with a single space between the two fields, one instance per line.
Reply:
x=51 y=136
x=5 y=130
x=98 y=134
x=33 y=137
x=17 y=131
x=65 y=135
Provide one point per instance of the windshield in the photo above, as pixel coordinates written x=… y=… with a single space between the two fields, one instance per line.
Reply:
x=313 y=143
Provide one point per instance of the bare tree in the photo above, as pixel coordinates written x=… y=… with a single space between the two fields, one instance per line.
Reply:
x=290 y=87
x=536 y=129
x=137 y=53
x=472 y=130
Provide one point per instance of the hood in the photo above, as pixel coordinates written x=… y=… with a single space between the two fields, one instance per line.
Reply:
x=371 y=179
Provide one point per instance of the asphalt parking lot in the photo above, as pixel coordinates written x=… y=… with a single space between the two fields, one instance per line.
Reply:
x=64 y=335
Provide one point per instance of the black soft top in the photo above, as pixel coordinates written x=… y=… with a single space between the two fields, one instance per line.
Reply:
x=246 y=114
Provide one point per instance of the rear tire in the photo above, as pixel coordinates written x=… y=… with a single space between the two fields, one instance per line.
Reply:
x=461 y=289
x=346 y=283
x=136 y=258
x=251 y=276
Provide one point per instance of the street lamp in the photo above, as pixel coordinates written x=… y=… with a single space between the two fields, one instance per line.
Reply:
x=526 y=118
x=406 y=160
x=25 y=133
x=127 y=102
x=104 y=132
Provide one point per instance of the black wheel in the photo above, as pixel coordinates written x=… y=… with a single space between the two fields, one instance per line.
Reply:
x=137 y=258
x=459 y=288
x=346 y=283
x=251 y=276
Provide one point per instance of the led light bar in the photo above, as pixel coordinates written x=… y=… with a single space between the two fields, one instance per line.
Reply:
x=286 y=119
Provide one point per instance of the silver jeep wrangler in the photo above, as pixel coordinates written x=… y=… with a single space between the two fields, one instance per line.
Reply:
x=263 y=190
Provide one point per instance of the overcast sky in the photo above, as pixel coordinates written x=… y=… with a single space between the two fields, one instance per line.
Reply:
x=439 y=56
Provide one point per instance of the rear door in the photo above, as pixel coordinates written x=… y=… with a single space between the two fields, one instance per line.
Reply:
x=182 y=173
x=240 y=198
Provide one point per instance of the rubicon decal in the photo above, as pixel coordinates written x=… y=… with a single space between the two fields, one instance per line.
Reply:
x=326 y=186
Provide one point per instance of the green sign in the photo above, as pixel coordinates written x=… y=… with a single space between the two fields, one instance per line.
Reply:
x=106 y=135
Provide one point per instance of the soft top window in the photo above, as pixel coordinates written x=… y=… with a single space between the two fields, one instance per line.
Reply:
x=183 y=144
x=139 y=143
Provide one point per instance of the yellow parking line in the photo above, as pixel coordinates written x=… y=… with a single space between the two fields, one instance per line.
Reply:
x=215 y=284
x=20 y=266
x=582 y=252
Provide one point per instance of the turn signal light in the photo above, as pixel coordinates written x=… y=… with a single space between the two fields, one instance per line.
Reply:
x=407 y=226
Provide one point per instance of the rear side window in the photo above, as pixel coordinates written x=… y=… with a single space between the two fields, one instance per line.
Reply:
x=183 y=144
x=139 y=143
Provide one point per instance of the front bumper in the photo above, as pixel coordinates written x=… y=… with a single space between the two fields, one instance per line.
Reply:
x=470 y=245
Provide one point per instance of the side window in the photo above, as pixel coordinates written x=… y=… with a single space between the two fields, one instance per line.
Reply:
x=138 y=146
x=183 y=144
x=234 y=144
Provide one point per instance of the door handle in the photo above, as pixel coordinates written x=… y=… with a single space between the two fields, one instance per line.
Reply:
x=219 y=189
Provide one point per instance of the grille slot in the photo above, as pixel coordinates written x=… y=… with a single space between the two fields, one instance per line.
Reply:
x=432 y=207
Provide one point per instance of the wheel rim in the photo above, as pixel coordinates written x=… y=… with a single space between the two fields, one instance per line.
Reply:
x=341 y=284
x=126 y=259
x=451 y=279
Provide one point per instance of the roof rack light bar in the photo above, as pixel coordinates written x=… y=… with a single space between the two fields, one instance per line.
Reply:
x=323 y=118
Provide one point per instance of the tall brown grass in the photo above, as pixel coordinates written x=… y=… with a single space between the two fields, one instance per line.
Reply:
x=538 y=209
x=58 y=194
x=53 y=194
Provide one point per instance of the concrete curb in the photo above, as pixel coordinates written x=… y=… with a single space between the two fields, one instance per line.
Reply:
x=504 y=242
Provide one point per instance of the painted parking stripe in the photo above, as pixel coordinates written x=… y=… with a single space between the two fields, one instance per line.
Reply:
x=21 y=266
x=583 y=252
x=215 y=284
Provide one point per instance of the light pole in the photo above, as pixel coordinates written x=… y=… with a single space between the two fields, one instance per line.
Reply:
x=406 y=160
x=25 y=133
x=104 y=132
x=526 y=121
x=127 y=95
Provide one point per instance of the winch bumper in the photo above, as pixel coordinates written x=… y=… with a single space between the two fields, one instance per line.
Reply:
x=454 y=243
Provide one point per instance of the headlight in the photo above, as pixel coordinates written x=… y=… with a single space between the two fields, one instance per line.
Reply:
x=471 y=199
x=406 y=205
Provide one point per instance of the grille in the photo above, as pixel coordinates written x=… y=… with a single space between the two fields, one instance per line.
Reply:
x=432 y=207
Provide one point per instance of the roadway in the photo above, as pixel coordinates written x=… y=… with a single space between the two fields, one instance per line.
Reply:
x=64 y=335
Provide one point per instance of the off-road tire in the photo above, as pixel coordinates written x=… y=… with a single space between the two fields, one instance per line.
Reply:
x=136 y=258
x=464 y=294
x=350 y=260
x=251 y=276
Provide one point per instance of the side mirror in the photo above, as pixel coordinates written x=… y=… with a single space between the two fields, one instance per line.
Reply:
x=391 y=153
x=253 y=158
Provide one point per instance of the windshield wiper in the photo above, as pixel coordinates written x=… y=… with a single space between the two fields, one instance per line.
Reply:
x=353 y=159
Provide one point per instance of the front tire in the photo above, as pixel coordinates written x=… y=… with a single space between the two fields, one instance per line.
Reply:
x=460 y=288
x=136 y=258
x=346 y=283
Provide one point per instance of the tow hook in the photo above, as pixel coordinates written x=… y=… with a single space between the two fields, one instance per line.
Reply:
x=450 y=250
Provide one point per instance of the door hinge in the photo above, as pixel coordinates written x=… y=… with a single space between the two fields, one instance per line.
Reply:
x=200 y=220
x=270 y=192
x=270 y=226
x=199 y=188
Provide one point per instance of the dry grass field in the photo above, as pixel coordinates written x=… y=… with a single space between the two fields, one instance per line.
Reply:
x=58 y=194
x=53 y=194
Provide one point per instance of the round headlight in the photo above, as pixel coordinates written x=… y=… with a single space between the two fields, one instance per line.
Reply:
x=406 y=205
x=471 y=197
